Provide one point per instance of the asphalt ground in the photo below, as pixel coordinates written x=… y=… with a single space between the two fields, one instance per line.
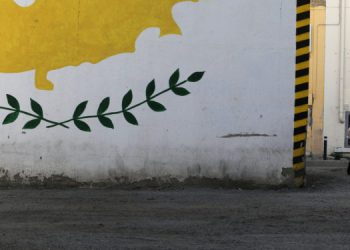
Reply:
x=315 y=217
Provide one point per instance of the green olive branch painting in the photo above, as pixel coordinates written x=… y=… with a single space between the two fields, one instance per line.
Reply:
x=103 y=116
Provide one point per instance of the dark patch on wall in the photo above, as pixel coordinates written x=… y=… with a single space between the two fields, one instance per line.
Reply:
x=246 y=135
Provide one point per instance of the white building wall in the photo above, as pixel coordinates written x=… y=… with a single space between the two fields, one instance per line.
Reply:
x=334 y=128
x=247 y=49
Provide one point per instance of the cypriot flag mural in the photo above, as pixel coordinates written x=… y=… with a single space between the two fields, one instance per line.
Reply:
x=209 y=84
x=45 y=35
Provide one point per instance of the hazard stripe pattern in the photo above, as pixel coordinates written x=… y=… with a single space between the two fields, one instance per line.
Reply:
x=301 y=85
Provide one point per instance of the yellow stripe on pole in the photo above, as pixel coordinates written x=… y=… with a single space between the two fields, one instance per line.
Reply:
x=303 y=37
x=303 y=23
x=302 y=80
x=303 y=51
x=301 y=109
x=299 y=166
x=300 y=123
x=301 y=137
x=299 y=152
x=303 y=65
x=303 y=8
x=302 y=94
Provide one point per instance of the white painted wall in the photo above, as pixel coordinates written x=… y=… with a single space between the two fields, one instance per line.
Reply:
x=333 y=127
x=247 y=49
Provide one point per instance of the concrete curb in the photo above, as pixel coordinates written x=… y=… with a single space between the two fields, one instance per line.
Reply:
x=327 y=163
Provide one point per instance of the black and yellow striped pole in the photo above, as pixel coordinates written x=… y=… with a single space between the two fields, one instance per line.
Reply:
x=301 y=89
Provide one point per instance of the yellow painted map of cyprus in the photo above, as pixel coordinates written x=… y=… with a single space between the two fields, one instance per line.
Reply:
x=52 y=34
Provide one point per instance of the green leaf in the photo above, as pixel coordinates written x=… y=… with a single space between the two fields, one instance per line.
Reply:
x=82 y=125
x=151 y=87
x=80 y=109
x=12 y=101
x=174 y=79
x=156 y=106
x=36 y=108
x=105 y=121
x=130 y=118
x=10 y=118
x=181 y=91
x=127 y=99
x=103 y=106
x=195 y=77
x=32 y=124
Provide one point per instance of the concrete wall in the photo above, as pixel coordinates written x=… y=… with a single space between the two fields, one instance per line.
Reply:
x=237 y=122
x=337 y=94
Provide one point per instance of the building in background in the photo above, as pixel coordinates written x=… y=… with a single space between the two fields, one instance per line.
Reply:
x=317 y=66
x=329 y=99
x=337 y=81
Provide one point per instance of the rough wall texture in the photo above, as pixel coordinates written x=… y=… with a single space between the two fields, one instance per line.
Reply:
x=236 y=122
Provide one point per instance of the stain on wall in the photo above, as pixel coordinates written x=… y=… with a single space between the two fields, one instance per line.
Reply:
x=240 y=135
